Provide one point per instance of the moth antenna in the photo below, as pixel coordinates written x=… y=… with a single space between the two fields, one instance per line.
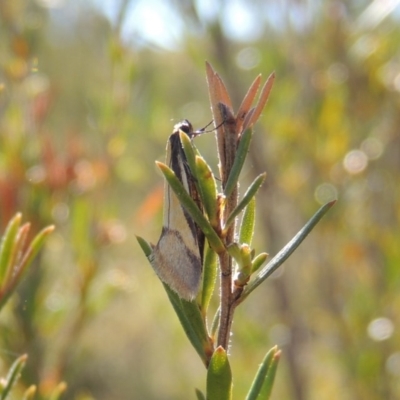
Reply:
x=203 y=130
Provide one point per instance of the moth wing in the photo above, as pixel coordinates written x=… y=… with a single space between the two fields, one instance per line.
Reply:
x=176 y=265
x=177 y=257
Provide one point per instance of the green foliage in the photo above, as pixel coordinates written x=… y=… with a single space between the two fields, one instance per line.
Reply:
x=261 y=387
x=219 y=376
x=212 y=345
x=191 y=207
x=248 y=222
x=241 y=155
x=12 y=376
x=247 y=197
x=209 y=278
x=16 y=255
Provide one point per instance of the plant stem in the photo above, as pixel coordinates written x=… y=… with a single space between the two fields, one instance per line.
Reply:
x=227 y=145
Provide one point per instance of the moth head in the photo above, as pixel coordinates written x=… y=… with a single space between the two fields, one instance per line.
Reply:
x=184 y=126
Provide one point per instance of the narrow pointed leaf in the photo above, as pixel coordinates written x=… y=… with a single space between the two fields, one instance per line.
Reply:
x=30 y=393
x=16 y=254
x=146 y=246
x=208 y=190
x=262 y=372
x=33 y=250
x=27 y=258
x=191 y=207
x=284 y=254
x=210 y=269
x=248 y=119
x=219 y=377
x=266 y=389
x=190 y=151
x=188 y=313
x=258 y=261
x=7 y=245
x=13 y=375
x=191 y=320
x=193 y=314
x=58 y=391
x=248 y=223
x=250 y=193
x=247 y=102
x=265 y=91
x=240 y=157
x=215 y=323
x=249 y=97
x=216 y=88
x=200 y=395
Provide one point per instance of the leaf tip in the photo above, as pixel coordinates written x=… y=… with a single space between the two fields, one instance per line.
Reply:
x=331 y=203
x=49 y=229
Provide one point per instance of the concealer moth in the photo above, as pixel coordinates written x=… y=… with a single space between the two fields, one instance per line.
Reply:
x=177 y=258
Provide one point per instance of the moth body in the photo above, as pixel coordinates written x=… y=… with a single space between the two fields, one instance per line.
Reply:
x=178 y=256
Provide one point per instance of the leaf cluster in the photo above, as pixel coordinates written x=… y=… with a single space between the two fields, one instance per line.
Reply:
x=239 y=268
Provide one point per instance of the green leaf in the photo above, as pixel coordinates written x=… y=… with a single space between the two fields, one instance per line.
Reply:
x=248 y=196
x=14 y=264
x=188 y=312
x=270 y=378
x=145 y=245
x=219 y=376
x=205 y=180
x=284 y=254
x=234 y=251
x=208 y=190
x=58 y=391
x=190 y=151
x=192 y=322
x=27 y=259
x=200 y=395
x=35 y=246
x=242 y=254
x=248 y=223
x=30 y=393
x=237 y=166
x=209 y=278
x=260 y=379
x=13 y=375
x=215 y=323
x=258 y=261
x=7 y=246
x=191 y=207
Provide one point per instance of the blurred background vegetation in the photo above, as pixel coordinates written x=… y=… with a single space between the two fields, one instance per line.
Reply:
x=90 y=91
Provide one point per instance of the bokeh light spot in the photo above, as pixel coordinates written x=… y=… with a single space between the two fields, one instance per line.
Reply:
x=248 y=58
x=365 y=46
x=325 y=193
x=60 y=212
x=393 y=364
x=355 y=161
x=380 y=329
x=338 y=73
x=372 y=147
x=55 y=302
x=36 y=174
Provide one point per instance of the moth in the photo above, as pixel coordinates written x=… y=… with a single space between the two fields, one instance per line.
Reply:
x=177 y=258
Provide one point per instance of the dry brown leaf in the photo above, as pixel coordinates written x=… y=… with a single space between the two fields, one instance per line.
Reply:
x=263 y=99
